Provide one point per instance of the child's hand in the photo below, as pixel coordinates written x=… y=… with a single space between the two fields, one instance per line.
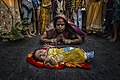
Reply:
x=50 y=62
x=48 y=46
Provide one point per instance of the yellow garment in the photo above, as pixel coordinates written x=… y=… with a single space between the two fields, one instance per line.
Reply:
x=72 y=58
x=45 y=14
x=76 y=4
x=94 y=17
x=73 y=4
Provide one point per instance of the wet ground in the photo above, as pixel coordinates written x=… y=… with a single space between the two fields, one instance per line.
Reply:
x=105 y=65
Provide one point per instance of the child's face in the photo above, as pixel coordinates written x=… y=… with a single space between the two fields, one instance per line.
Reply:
x=41 y=54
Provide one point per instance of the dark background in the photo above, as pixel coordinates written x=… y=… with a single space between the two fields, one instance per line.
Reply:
x=105 y=65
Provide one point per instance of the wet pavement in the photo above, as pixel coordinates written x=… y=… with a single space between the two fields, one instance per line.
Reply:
x=105 y=65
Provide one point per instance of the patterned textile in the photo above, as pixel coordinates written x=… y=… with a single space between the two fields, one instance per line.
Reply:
x=77 y=16
x=36 y=3
x=9 y=12
x=38 y=64
x=94 y=17
x=116 y=11
x=76 y=4
x=68 y=5
x=27 y=10
x=73 y=4
x=109 y=14
x=59 y=7
x=68 y=8
x=45 y=14
x=5 y=18
x=70 y=55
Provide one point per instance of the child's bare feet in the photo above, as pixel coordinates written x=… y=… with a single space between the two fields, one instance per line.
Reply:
x=28 y=35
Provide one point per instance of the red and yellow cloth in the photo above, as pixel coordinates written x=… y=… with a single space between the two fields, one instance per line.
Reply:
x=61 y=65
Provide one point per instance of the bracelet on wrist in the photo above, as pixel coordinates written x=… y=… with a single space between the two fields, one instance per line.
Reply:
x=51 y=40
x=69 y=41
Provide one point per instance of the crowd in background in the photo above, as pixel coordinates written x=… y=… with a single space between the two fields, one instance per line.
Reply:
x=92 y=16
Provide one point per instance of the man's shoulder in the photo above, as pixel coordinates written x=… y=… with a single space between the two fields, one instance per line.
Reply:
x=50 y=31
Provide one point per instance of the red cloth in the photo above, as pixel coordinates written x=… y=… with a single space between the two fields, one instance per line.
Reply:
x=30 y=60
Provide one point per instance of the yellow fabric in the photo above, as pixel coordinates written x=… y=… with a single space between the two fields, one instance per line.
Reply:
x=52 y=52
x=73 y=58
x=76 y=4
x=94 y=17
x=45 y=14
x=73 y=4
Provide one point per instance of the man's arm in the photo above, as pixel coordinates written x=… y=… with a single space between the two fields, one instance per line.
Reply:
x=77 y=40
x=44 y=38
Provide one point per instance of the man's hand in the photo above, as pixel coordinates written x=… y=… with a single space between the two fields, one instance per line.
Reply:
x=50 y=62
x=54 y=41
x=59 y=37
x=66 y=41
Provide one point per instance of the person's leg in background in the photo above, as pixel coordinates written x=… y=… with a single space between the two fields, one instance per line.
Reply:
x=115 y=31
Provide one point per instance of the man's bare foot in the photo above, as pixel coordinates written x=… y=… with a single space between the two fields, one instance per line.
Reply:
x=113 y=39
x=32 y=34
x=109 y=37
x=94 y=32
x=106 y=35
x=29 y=36
x=89 y=32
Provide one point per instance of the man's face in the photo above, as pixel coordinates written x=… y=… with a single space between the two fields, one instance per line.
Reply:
x=60 y=25
x=41 y=54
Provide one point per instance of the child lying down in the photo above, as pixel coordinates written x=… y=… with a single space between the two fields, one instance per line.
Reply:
x=51 y=56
